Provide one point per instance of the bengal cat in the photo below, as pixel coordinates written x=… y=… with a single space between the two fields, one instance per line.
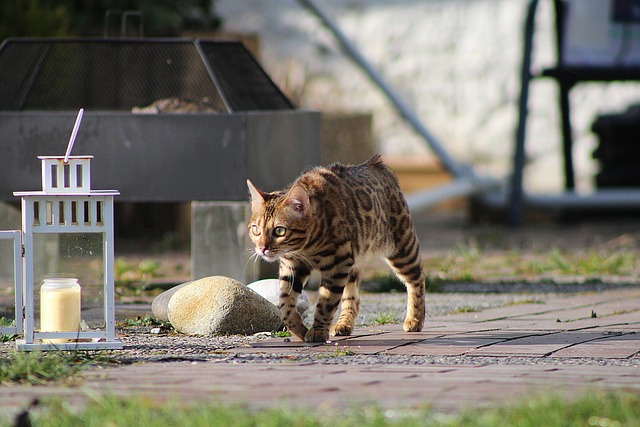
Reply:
x=331 y=219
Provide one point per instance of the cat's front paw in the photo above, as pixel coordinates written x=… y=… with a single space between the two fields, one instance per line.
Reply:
x=341 y=330
x=316 y=335
x=299 y=331
x=412 y=325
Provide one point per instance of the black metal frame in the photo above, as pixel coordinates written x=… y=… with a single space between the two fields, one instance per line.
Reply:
x=566 y=77
x=224 y=62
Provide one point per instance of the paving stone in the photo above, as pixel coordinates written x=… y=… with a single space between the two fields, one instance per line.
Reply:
x=555 y=307
x=600 y=310
x=610 y=347
x=537 y=346
x=514 y=311
x=456 y=344
x=364 y=345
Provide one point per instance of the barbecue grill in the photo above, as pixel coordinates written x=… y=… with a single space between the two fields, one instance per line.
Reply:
x=166 y=119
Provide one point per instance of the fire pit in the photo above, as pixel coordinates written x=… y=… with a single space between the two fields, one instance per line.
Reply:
x=167 y=120
x=242 y=127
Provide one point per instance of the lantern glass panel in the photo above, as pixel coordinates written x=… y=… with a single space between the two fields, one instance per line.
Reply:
x=78 y=255
x=7 y=286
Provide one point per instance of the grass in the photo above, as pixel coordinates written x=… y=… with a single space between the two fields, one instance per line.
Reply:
x=385 y=317
x=143 y=321
x=4 y=322
x=281 y=334
x=131 y=278
x=464 y=309
x=526 y=301
x=45 y=367
x=469 y=263
x=343 y=351
x=338 y=352
x=8 y=337
x=588 y=263
x=591 y=409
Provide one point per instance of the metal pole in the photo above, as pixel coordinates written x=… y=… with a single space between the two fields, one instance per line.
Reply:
x=449 y=162
x=516 y=196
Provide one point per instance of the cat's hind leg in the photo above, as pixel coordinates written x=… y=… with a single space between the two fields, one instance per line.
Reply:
x=293 y=277
x=350 y=306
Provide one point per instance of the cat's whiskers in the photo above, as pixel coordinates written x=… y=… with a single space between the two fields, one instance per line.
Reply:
x=299 y=257
x=288 y=292
x=251 y=255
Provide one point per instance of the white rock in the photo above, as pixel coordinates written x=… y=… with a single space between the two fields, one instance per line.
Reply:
x=270 y=289
x=220 y=305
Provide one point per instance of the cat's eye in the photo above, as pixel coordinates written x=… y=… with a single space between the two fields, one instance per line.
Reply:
x=279 y=231
x=255 y=230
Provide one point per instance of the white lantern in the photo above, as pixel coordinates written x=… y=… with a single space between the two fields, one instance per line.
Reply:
x=69 y=209
x=14 y=237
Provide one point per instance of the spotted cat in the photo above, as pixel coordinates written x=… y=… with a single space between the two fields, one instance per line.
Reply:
x=331 y=219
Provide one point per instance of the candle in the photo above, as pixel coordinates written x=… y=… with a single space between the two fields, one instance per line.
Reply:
x=60 y=307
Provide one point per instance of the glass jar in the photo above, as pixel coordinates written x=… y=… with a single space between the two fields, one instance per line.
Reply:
x=60 y=307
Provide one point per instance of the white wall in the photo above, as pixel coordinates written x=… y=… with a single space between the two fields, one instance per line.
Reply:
x=456 y=62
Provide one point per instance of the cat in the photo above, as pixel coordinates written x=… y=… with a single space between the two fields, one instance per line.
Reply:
x=331 y=219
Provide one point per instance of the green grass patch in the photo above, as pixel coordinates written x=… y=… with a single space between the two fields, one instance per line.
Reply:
x=593 y=409
x=464 y=309
x=131 y=278
x=596 y=409
x=281 y=334
x=584 y=263
x=338 y=352
x=8 y=337
x=4 y=322
x=385 y=317
x=470 y=264
x=343 y=351
x=526 y=301
x=140 y=321
x=44 y=367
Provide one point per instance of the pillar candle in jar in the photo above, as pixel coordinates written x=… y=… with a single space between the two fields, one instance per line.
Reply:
x=59 y=307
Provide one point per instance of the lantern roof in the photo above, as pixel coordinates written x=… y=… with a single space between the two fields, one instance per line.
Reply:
x=66 y=176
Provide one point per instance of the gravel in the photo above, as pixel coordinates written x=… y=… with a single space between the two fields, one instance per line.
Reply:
x=142 y=345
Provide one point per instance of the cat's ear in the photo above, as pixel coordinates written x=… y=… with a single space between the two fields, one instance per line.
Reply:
x=257 y=196
x=298 y=199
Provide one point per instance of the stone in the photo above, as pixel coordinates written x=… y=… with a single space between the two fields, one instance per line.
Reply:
x=270 y=290
x=160 y=303
x=219 y=305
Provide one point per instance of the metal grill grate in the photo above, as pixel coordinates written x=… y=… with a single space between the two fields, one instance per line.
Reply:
x=122 y=74
x=240 y=77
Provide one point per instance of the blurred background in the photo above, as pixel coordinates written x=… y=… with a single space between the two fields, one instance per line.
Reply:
x=455 y=62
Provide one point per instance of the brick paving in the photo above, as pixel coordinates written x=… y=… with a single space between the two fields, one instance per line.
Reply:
x=568 y=345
